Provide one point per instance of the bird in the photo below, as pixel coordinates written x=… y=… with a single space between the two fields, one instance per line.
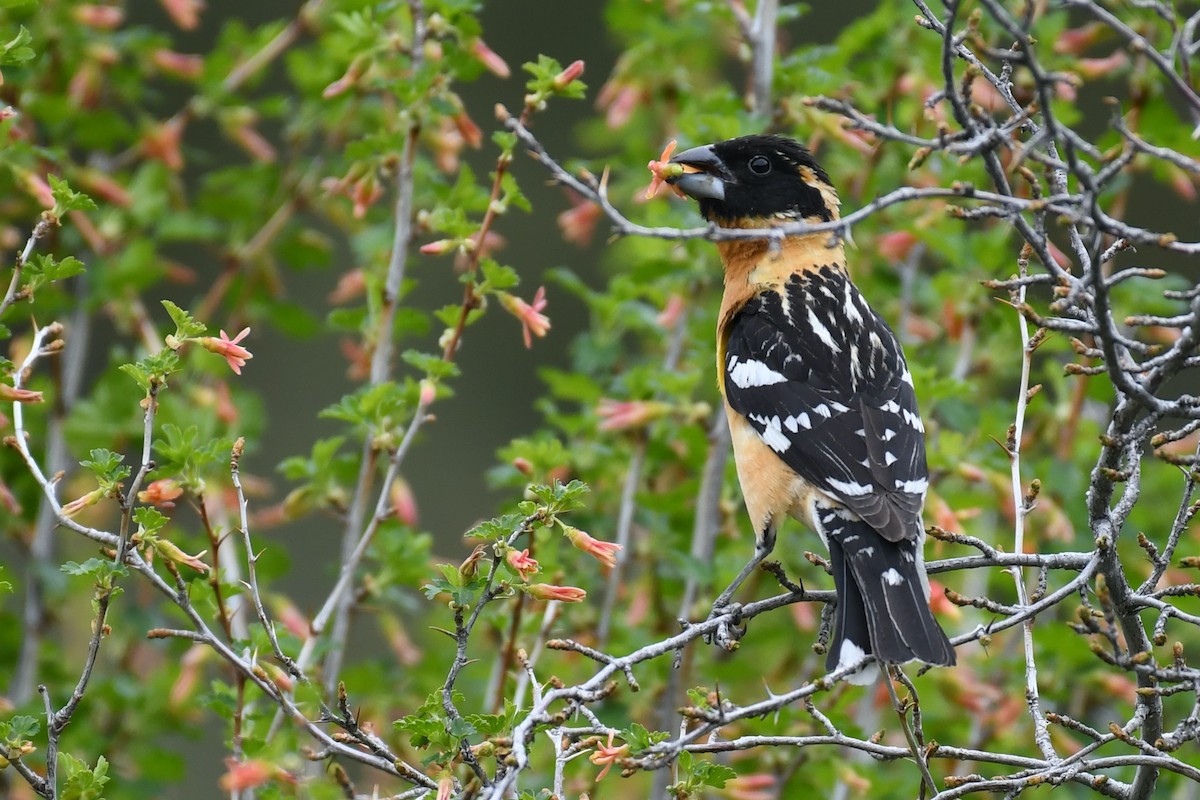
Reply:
x=820 y=402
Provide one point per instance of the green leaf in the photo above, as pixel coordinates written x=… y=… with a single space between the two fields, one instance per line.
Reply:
x=106 y=466
x=149 y=519
x=16 y=50
x=81 y=782
x=185 y=325
x=65 y=198
x=19 y=728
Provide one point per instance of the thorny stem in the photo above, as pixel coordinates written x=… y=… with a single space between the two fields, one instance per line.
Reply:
x=1021 y=508
x=354 y=537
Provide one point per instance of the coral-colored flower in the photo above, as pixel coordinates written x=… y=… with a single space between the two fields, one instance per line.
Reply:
x=234 y=353
x=467 y=128
x=1076 y=41
x=163 y=143
x=184 y=13
x=757 y=786
x=104 y=18
x=161 y=493
x=181 y=65
x=522 y=563
x=249 y=774
x=564 y=594
x=11 y=394
x=490 y=59
x=672 y=312
x=404 y=503
x=533 y=321
x=578 y=222
x=895 y=246
x=254 y=143
x=352 y=284
x=36 y=185
x=569 y=74
x=608 y=755
x=662 y=169
x=619 y=101
x=365 y=191
x=940 y=604
x=604 y=552
x=172 y=551
x=445 y=786
x=80 y=503
x=617 y=415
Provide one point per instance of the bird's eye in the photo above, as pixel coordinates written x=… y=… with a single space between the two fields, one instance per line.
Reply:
x=760 y=165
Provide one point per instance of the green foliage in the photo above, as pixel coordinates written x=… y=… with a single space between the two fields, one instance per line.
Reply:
x=81 y=782
x=331 y=149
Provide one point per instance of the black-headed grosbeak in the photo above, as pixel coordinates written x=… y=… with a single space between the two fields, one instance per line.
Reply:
x=820 y=402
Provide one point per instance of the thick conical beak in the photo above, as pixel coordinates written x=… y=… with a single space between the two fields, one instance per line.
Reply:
x=707 y=181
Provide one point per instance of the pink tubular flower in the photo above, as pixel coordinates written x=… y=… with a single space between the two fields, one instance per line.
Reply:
x=233 y=353
x=533 y=321
x=564 y=594
x=173 y=552
x=104 y=18
x=445 y=786
x=490 y=59
x=11 y=394
x=184 y=13
x=616 y=415
x=758 y=786
x=604 y=552
x=181 y=65
x=579 y=222
x=404 y=502
x=672 y=312
x=659 y=170
x=569 y=74
x=522 y=563
x=608 y=755
x=248 y=774
x=161 y=493
x=80 y=503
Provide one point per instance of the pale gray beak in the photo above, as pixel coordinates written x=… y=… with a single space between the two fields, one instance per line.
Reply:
x=709 y=183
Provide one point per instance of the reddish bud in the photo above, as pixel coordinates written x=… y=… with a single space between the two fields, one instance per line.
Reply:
x=563 y=594
x=490 y=59
x=672 y=312
x=161 y=493
x=404 y=503
x=184 y=13
x=11 y=394
x=180 y=65
x=578 y=223
x=604 y=552
x=103 y=18
x=569 y=75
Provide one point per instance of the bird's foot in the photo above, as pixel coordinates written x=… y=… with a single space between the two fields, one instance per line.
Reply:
x=730 y=627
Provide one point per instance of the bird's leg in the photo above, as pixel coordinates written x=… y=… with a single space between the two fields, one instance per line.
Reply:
x=730 y=631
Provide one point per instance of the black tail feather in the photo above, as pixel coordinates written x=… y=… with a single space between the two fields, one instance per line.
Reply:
x=883 y=608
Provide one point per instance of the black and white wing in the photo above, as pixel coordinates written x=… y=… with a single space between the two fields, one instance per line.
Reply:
x=823 y=380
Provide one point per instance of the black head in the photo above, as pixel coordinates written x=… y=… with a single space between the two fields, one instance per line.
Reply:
x=756 y=179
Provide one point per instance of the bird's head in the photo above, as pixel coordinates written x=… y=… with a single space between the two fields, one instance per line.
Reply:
x=754 y=181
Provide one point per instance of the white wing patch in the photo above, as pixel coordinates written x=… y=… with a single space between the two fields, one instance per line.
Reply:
x=772 y=433
x=918 y=486
x=893 y=577
x=747 y=374
x=849 y=488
